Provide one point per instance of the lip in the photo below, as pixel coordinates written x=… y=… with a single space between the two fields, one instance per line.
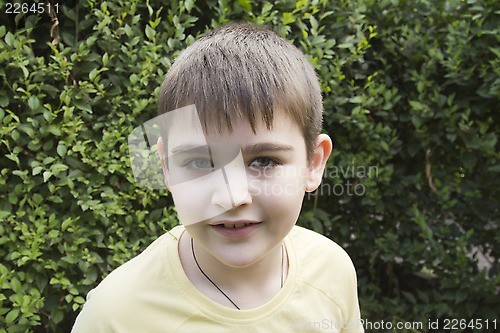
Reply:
x=240 y=231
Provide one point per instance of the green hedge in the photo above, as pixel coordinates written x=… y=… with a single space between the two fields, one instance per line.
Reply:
x=412 y=190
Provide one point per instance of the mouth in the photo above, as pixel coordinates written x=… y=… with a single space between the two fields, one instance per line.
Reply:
x=234 y=225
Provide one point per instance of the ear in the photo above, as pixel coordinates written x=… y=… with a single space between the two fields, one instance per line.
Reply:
x=317 y=163
x=160 y=148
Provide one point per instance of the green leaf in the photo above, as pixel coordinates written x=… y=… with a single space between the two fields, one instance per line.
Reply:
x=189 y=5
x=469 y=160
x=494 y=168
x=9 y=39
x=105 y=59
x=246 y=5
x=128 y=31
x=4 y=214
x=150 y=33
x=93 y=73
x=29 y=130
x=15 y=285
x=355 y=100
x=91 y=40
x=384 y=146
x=409 y=297
x=418 y=106
x=11 y=316
x=57 y=168
x=15 y=135
x=314 y=25
x=66 y=223
x=82 y=105
x=46 y=176
x=36 y=170
x=287 y=18
x=37 y=198
x=61 y=149
x=4 y=100
x=34 y=103
x=13 y=157
x=25 y=71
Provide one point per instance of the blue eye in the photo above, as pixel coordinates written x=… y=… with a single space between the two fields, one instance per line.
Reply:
x=264 y=162
x=199 y=164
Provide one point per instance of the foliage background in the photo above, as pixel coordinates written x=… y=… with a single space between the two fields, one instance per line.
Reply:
x=411 y=89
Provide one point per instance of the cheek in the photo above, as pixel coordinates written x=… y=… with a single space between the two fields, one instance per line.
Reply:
x=190 y=200
x=281 y=193
x=284 y=183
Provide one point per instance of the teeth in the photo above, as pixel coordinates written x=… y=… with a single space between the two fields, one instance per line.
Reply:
x=235 y=226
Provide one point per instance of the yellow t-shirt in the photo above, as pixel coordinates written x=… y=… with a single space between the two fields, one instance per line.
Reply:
x=151 y=293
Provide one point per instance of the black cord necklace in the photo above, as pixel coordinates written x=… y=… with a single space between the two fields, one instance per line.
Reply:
x=222 y=292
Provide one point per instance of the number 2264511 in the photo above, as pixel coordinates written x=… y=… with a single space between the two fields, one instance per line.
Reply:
x=33 y=8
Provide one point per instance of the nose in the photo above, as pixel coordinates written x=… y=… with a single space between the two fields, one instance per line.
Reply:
x=234 y=191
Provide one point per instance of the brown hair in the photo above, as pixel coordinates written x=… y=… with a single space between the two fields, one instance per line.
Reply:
x=248 y=71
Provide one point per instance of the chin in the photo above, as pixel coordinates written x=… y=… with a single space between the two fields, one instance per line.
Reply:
x=239 y=259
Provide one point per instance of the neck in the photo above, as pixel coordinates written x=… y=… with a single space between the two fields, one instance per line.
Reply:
x=248 y=286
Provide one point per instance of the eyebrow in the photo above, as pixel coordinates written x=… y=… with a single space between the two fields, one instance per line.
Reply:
x=253 y=149
x=190 y=149
x=260 y=148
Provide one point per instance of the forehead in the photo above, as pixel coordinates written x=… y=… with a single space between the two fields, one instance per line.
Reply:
x=188 y=132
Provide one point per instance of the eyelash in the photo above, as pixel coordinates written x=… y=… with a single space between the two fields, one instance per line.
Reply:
x=273 y=161
x=190 y=164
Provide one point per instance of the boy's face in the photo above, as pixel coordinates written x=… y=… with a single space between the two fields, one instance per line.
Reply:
x=239 y=194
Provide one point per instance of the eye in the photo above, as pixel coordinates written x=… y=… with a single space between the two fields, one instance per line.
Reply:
x=199 y=164
x=264 y=162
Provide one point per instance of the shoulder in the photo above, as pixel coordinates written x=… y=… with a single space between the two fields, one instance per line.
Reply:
x=323 y=264
x=325 y=274
x=317 y=248
x=326 y=277
x=149 y=266
x=117 y=298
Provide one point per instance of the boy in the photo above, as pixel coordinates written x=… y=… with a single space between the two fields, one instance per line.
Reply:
x=240 y=118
